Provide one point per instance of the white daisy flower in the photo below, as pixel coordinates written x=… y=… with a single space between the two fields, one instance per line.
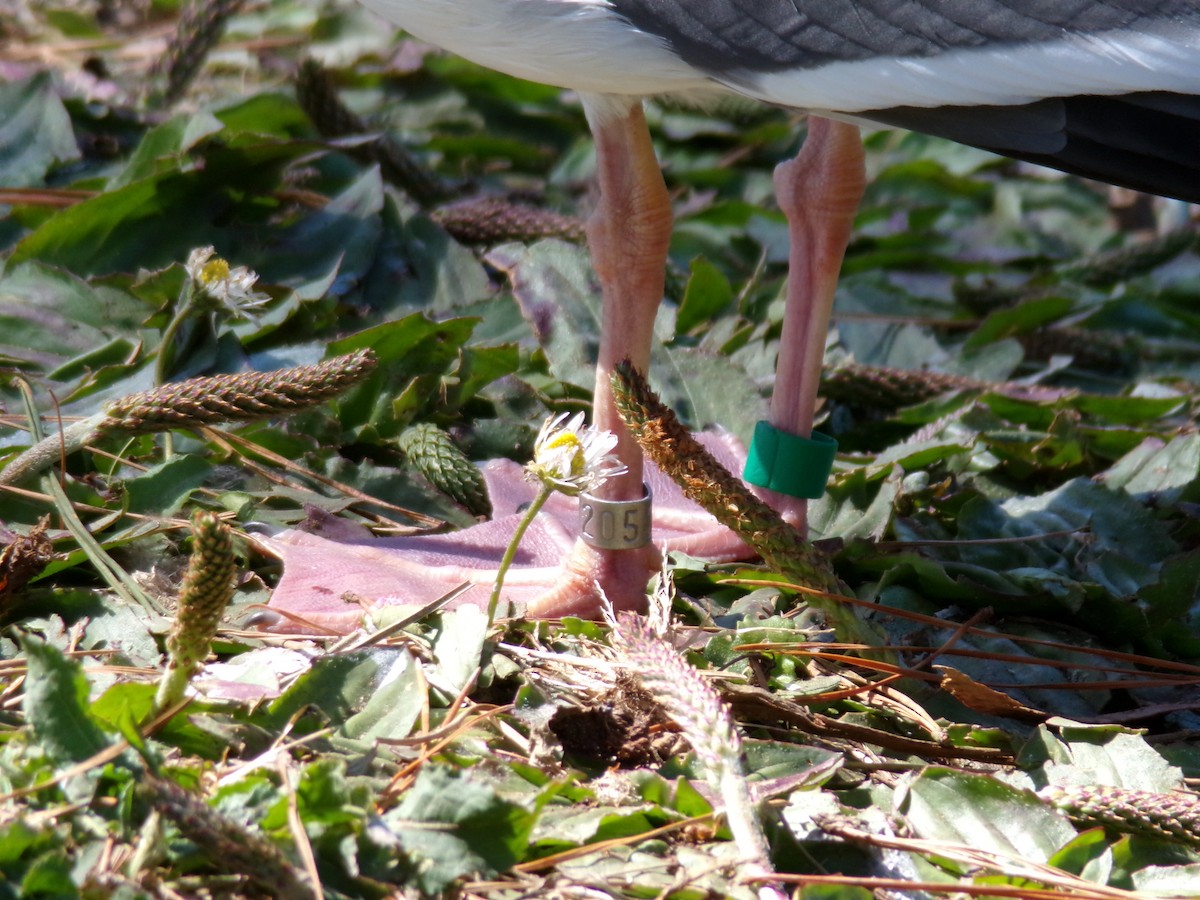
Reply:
x=232 y=288
x=574 y=458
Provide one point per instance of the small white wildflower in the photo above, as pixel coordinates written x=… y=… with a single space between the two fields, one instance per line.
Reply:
x=232 y=288
x=573 y=458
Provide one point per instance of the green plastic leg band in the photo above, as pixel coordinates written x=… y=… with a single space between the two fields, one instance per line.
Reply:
x=789 y=464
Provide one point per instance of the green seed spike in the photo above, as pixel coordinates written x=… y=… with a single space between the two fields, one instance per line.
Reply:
x=207 y=589
x=438 y=458
x=1116 y=266
x=1173 y=817
x=200 y=401
x=241 y=397
x=228 y=846
x=199 y=30
x=1105 y=351
x=489 y=220
x=317 y=94
x=875 y=387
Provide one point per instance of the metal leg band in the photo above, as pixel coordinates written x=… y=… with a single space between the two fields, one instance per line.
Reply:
x=615 y=524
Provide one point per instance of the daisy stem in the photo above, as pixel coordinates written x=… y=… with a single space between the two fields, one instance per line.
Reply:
x=510 y=553
x=166 y=346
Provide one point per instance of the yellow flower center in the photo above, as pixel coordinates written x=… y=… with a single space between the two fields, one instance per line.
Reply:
x=570 y=440
x=214 y=272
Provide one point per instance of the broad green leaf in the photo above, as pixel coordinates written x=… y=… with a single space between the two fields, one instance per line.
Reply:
x=393 y=707
x=1157 y=469
x=420 y=267
x=56 y=704
x=708 y=294
x=50 y=876
x=1172 y=601
x=1087 y=856
x=324 y=801
x=983 y=813
x=452 y=825
x=1110 y=756
x=854 y=506
x=1026 y=317
x=268 y=114
x=35 y=131
x=160 y=219
x=164 y=488
x=707 y=391
x=407 y=349
x=335 y=685
x=556 y=289
x=459 y=645
x=1167 y=881
x=49 y=316
x=338 y=240
x=122 y=703
x=162 y=147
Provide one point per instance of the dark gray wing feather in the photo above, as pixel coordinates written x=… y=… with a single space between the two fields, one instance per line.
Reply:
x=727 y=36
x=1147 y=141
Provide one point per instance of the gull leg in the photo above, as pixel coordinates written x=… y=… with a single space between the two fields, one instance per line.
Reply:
x=629 y=234
x=819 y=192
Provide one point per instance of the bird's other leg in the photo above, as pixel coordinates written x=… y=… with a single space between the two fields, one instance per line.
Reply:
x=628 y=234
x=819 y=192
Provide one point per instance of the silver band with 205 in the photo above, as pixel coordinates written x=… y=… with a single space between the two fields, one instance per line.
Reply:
x=615 y=524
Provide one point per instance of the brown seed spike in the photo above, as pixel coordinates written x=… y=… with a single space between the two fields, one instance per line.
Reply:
x=706 y=481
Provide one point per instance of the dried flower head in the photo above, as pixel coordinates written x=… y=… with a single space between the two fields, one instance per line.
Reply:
x=573 y=458
x=233 y=288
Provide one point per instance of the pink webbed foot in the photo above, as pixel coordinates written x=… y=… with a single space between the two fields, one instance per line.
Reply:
x=338 y=574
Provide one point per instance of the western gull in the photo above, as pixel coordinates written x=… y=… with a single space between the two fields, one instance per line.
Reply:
x=1108 y=89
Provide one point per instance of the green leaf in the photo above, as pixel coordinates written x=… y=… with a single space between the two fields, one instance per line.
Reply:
x=983 y=813
x=323 y=799
x=49 y=316
x=123 y=703
x=1026 y=317
x=458 y=648
x=56 y=704
x=708 y=294
x=854 y=506
x=1111 y=756
x=335 y=685
x=1087 y=856
x=556 y=289
x=342 y=238
x=707 y=390
x=393 y=707
x=1172 y=601
x=1167 y=881
x=414 y=346
x=452 y=825
x=1162 y=470
x=164 y=488
x=162 y=147
x=35 y=131
x=157 y=220
x=49 y=876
